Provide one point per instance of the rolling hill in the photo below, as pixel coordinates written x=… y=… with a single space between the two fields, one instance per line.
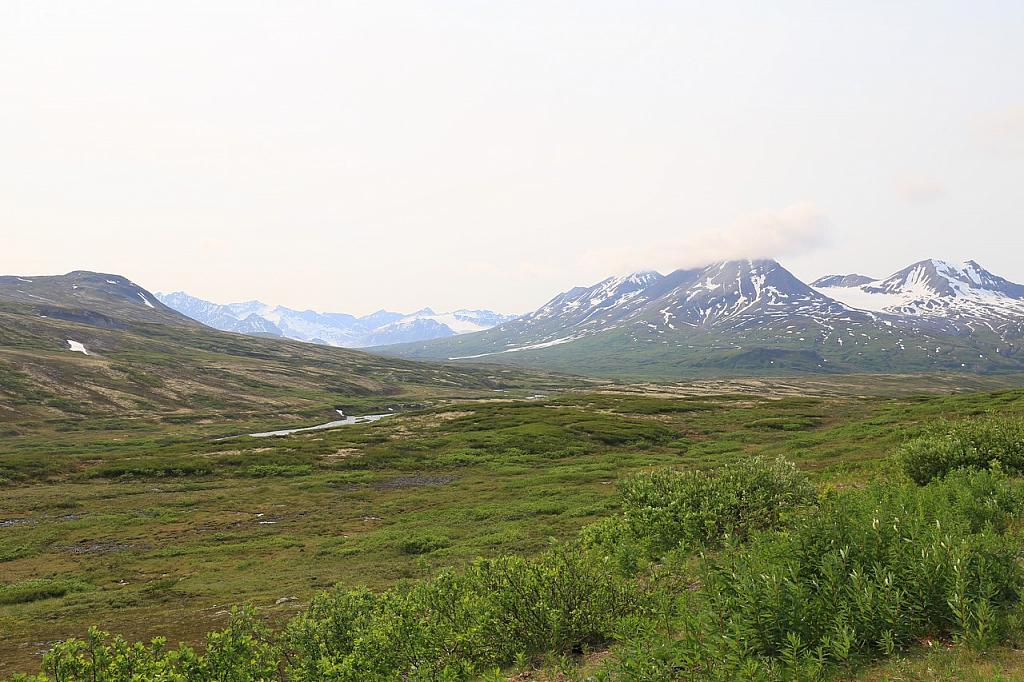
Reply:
x=92 y=344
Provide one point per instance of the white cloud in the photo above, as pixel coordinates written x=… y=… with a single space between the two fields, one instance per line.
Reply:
x=920 y=189
x=767 y=234
x=1001 y=132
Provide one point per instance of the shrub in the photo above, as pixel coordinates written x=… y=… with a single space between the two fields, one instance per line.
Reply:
x=423 y=544
x=869 y=573
x=243 y=652
x=456 y=625
x=972 y=443
x=667 y=508
x=279 y=470
x=40 y=588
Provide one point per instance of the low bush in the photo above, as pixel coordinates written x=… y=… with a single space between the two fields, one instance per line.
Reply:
x=665 y=509
x=40 y=588
x=972 y=443
x=279 y=470
x=457 y=625
x=423 y=544
x=454 y=626
x=243 y=652
x=870 y=572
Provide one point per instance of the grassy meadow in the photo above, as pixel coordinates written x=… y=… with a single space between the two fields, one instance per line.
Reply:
x=160 y=529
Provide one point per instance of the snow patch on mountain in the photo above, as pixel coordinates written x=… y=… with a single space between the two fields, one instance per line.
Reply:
x=334 y=329
x=952 y=295
x=532 y=346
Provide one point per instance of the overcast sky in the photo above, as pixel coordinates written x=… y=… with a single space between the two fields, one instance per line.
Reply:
x=350 y=156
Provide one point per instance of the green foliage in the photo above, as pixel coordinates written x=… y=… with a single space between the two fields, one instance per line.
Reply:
x=243 y=652
x=483 y=479
x=868 y=573
x=457 y=625
x=41 y=588
x=665 y=509
x=423 y=544
x=973 y=443
x=285 y=470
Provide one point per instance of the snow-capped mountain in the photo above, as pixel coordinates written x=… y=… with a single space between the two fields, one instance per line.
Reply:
x=755 y=314
x=334 y=329
x=740 y=293
x=961 y=298
x=609 y=299
x=732 y=296
x=851 y=280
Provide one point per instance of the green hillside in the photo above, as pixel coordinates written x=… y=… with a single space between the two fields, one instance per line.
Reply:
x=155 y=365
x=771 y=350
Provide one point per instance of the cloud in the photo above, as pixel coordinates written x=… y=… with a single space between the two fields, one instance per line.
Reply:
x=920 y=190
x=766 y=234
x=1001 y=132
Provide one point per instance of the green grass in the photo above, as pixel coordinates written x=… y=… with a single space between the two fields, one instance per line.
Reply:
x=170 y=528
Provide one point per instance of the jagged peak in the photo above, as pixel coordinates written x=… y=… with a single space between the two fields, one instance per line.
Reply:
x=847 y=281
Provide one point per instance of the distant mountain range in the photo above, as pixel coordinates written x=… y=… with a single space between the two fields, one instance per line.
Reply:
x=746 y=317
x=332 y=329
x=88 y=344
x=754 y=316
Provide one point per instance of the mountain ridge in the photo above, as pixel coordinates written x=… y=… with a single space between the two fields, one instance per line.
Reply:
x=86 y=344
x=755 y=315
x=332 y=329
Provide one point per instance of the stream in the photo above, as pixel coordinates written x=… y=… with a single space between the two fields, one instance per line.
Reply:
x=344 y=421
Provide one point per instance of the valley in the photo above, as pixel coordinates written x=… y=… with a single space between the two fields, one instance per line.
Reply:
x=511 y=342
x=158 y=531
x=129 y=501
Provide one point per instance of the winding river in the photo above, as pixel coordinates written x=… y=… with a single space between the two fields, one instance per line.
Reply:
x=344 y=421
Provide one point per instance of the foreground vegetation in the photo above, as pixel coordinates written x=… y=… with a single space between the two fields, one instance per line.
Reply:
x=644 y=578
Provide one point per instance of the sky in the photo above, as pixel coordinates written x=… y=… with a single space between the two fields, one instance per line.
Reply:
x=352 y=156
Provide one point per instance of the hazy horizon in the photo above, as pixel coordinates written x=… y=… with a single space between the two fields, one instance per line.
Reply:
x=351 y=157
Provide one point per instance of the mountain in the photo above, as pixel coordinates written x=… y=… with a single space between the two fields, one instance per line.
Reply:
x=85 y=345
x=332 y=329
x=90 y=297
x=754 y=316
x=958 y=298
x=852 y=280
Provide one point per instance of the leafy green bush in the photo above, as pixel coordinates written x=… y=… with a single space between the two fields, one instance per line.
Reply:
x=972 y=443
x=457 y=625
x=279 y=470
x=243 y=652
x=795 y=423
x=423 y=544
x=667 y=508
x=870 y=572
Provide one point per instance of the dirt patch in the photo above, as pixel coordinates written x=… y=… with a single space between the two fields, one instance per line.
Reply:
x=232 y=453
x=587 y=662
x=343 y=453
x=416 y=482
x=409 y=424
x=86 y=547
